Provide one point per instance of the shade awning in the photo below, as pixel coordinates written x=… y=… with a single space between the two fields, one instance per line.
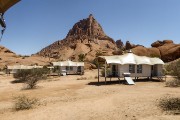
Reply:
x=6 y=4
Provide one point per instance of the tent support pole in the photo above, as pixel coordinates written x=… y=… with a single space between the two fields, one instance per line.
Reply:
x=105 y=72
x=98 y=71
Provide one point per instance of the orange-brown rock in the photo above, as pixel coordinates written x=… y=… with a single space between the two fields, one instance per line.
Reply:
x=129 y=45
x=143 y=51
x=169 y=52
x=119 y=44
x=7 y=57
x=86 y=37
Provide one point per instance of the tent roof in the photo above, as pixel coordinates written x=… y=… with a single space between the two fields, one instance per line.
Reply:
x=23 y=67
x=130 y=58
x=68 y=63
x=6 y=4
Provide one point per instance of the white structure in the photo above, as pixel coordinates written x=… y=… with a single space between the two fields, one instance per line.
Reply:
x=70 y=67
x=138 y=66
x=14 y=68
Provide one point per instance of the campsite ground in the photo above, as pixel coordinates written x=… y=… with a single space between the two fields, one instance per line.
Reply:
x=66 y=98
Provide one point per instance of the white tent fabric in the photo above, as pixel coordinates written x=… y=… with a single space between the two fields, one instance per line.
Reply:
x=130 y=58
x=23 y=67
x=68 y=63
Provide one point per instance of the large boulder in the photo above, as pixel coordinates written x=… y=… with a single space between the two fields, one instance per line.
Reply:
x=159 y=43
x=129 y=45
x=119 y=44
x=169 y=52
x=143 y=51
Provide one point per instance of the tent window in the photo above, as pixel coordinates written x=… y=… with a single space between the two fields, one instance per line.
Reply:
x=67 y=68
x=139 y=68
x=71 y=68
x=132 y=68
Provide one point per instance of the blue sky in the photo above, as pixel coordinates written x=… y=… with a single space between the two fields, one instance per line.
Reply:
x=34 y=24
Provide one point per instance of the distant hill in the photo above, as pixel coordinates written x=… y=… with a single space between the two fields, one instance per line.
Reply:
x=7 y=57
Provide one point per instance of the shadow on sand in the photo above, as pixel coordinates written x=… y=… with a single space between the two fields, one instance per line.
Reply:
x=113 y=82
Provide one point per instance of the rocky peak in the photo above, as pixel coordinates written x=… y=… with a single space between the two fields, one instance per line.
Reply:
x=87 y=28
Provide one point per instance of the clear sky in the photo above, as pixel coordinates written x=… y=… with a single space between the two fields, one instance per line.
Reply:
x=34 y=24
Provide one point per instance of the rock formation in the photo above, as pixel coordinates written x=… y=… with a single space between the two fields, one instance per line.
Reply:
x=88 y=29
x=129 y=45
x=119 y=44
x=85 y=37
x=166 y=50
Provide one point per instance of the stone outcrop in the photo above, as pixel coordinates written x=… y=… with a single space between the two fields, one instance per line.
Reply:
x=166 y=50
x=88 y=29
x=119 y=44
x=129 y=45
x=85 y=37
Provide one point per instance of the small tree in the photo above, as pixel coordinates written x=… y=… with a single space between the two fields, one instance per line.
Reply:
x=30 y=77
x=81 y=57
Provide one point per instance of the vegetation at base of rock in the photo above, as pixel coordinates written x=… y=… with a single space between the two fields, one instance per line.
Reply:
x=173 y=69
x=31 y=76
x=23 y=102
x=81 y=57
x=170 y=104
x=107 y=72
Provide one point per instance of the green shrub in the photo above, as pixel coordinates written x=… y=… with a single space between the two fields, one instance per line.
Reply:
x=81 y=57
x=30 y=76
x=170 y=104
x=23 y=102
x=173 y=69
x=107 y=72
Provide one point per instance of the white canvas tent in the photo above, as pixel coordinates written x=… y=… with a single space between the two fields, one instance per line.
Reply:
x=14 y=68
x=138 y=66
x=70 y=67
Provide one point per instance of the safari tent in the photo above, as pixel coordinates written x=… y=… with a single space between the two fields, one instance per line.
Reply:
x=14 y=68
x=69 y=67
x=134 y=65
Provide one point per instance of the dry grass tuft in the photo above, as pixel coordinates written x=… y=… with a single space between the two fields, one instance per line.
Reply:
x=23 y=102
x=170 y=104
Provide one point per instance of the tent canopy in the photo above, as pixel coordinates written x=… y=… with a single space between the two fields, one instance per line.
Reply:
x=130 y=58
x=68 y=63
x=6 y=4
x=22 y=67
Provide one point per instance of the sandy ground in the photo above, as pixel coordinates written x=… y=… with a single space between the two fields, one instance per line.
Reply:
x=66 y=98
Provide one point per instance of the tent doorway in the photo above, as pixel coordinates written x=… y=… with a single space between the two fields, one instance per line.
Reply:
x=114 y=70
x=153 y=70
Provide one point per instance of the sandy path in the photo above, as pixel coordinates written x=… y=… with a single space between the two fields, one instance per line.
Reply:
x=66 y=98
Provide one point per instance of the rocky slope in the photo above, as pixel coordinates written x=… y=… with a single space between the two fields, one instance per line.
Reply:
x=86 y=37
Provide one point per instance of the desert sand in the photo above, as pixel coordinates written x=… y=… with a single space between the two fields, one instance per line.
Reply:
x=66 y=98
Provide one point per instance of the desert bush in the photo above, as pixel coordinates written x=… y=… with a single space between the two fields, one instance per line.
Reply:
x=173 y=68
x=81 y=57
x=31 y=76
x=23 y=102
x=107 y=72
x=173 y=83
x=170 y=104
